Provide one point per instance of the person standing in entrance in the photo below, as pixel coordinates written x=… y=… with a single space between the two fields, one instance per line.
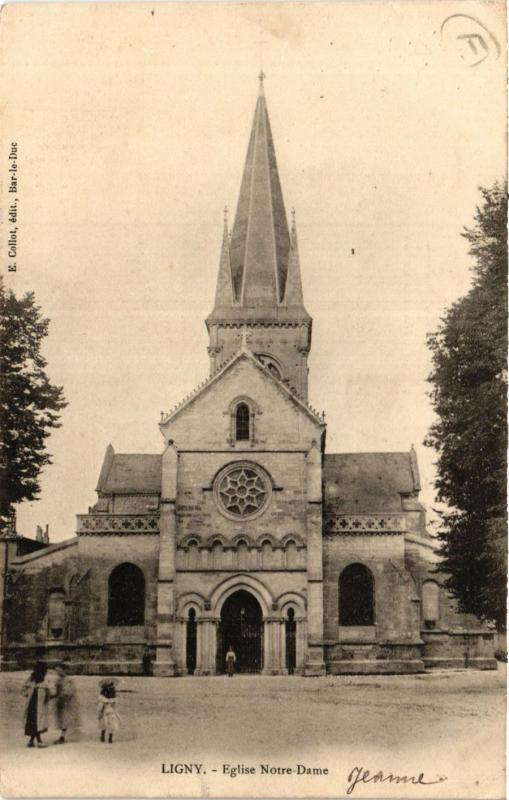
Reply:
x=231 y=658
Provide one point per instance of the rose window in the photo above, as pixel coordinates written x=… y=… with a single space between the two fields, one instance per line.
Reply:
x=242 y=490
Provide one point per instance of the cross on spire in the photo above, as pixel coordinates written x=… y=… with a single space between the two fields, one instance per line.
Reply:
x=261 y=77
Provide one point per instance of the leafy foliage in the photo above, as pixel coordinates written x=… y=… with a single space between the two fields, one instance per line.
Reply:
x=470 y=435
x=29 y=403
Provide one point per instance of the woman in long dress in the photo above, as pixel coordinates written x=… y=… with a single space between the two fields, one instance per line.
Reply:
x=36 y=708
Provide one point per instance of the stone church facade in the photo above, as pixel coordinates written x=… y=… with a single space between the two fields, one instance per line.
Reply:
x=244 y=531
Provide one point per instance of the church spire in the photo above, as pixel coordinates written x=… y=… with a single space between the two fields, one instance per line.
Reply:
x=259 y=246
x=293 y=293
x=224 y=292
x=260 y=236
x=259 y=288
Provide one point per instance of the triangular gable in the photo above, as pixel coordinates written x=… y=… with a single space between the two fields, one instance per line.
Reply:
x=244 y=353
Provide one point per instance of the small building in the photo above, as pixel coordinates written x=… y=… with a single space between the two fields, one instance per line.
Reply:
x=244 y=530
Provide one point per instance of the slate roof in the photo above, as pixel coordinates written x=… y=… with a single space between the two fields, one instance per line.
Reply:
x=354 y=483
x=368 y=483
x=130 y=473
x=259 y=272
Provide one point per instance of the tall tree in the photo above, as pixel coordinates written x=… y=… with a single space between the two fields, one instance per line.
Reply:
x=29 y=403
x=469 y=395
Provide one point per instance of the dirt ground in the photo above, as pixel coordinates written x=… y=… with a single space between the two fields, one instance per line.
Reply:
x=449 y=726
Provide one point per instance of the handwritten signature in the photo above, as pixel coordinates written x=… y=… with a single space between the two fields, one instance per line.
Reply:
x=361 y=775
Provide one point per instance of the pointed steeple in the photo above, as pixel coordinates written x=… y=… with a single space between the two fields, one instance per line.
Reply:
x=293 y=293
x=260 y=237
x=259 y=287
x=224 y=291
x=260 y=246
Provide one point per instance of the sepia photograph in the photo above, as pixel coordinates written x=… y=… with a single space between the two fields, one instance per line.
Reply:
x=253 y=364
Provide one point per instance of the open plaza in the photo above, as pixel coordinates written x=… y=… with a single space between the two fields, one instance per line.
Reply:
x=241 y=736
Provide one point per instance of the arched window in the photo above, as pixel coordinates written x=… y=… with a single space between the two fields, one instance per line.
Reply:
x=430 y=603
x=74 y=611
x=242 y=555
x=242 y=422
x=126 y=596
x=356 y=596
x=193 y=555
x=271 y=364
x=56 y=614
x=291 y=555
x=217 y=555
x=267 y=560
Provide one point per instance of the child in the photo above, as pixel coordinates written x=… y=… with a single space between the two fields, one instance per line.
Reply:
x=109 y=720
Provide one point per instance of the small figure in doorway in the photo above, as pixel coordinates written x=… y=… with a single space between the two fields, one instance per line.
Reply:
x=231 y=658
x=109 y=720
x=146 y=661
x=37 y=692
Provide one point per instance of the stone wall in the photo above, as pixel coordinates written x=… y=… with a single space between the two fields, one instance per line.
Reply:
x=204 y=423
x=396 y=601
x=288 y=346
x=30 y=581
x=454 y=639
x=80 y=570
x=98 y=556
x=197 y=509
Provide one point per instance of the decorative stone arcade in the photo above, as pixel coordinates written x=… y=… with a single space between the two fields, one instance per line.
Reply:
x=268 y=637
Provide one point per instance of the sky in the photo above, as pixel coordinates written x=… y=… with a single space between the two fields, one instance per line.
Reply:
x=132 y=124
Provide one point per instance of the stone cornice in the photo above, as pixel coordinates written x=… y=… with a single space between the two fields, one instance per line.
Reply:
x=258 y=323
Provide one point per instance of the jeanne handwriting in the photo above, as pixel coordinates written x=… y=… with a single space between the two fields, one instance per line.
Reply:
x=361 y=775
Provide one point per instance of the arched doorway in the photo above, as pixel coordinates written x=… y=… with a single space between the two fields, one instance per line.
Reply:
x=241 y=627
x=291 y=644
x=191 y=631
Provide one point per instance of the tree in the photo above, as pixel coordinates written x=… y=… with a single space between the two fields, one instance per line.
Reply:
x=469 y=396
x=29 y=403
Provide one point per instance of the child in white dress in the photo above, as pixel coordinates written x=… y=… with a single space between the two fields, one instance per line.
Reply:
x=109 y=720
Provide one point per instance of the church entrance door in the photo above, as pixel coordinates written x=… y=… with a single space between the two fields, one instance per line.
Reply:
x=241 y=626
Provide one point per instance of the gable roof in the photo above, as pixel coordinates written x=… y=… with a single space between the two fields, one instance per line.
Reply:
x=26 y=558
x=130 y=473
x=364 y=483
x=243 y=353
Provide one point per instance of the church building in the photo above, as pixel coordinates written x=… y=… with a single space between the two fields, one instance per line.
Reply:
x=244 y=531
